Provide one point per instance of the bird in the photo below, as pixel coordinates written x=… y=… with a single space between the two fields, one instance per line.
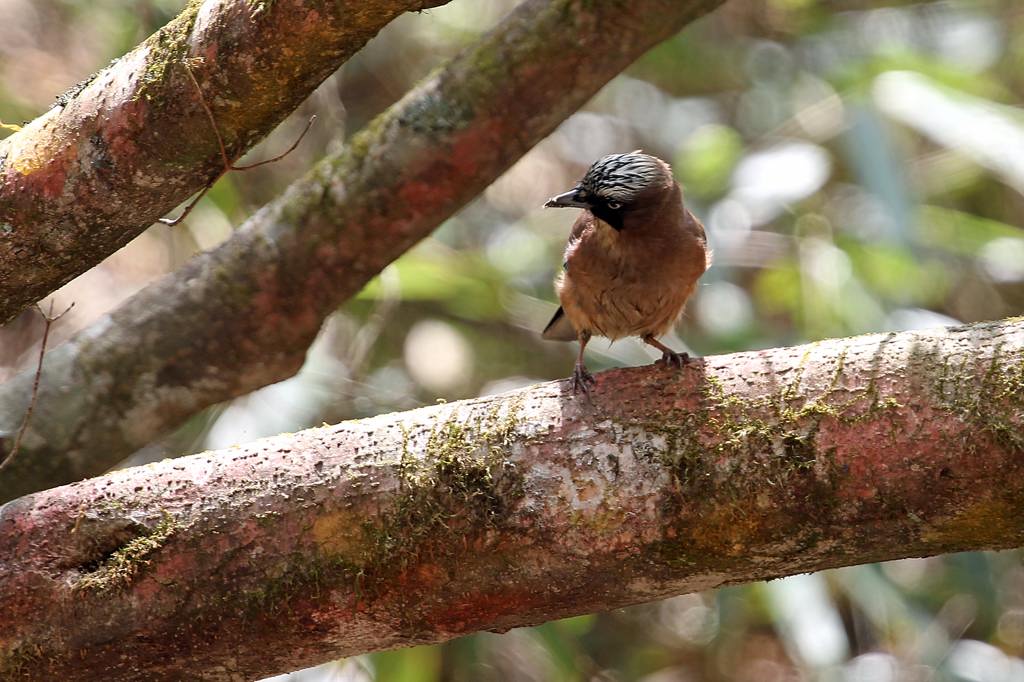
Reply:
x=633 y=258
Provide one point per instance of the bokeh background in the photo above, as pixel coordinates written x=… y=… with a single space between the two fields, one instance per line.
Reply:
x=860 y=168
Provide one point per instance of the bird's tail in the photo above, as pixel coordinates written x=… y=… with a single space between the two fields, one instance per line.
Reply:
x=559 y=328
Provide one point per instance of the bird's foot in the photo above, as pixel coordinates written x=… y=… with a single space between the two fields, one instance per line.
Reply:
x=582 y=379
x=673 y=359
x=669 y=357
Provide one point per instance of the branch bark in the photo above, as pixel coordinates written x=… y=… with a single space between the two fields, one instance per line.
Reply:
x=242 y=315
x=512 y=510
x=131 y=142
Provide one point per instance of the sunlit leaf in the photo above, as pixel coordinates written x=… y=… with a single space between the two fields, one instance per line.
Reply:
x=960 y=232
x=706 y=161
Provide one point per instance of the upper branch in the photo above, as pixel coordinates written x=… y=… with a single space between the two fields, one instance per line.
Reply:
x=511 y=510
x=241 y=316
x=130 y=143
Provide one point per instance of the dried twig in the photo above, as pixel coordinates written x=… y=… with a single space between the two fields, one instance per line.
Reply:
x=309 y=124
x=192 y=204
x=228 y=165
x=48 y=319
x=209 y=114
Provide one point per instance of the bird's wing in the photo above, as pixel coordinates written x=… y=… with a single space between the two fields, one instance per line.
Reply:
x=694 y=224
x=559 y=328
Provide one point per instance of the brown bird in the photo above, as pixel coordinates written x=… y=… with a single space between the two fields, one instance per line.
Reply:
x=633 y=258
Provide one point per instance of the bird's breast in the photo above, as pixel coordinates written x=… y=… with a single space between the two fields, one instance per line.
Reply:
x=618 y=284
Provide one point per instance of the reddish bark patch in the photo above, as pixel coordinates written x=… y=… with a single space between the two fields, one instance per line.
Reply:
x=484 y=608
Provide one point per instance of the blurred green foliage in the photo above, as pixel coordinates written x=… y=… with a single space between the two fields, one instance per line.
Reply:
x=860 y=168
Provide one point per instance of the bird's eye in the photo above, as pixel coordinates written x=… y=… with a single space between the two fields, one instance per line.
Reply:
x=614 y=205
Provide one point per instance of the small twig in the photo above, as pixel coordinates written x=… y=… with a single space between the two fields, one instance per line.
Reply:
x=209 y=115
x=309 y=124
x=48 y=319
x=192 y=204
x=228 y=165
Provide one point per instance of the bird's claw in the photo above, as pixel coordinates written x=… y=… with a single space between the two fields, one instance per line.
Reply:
x=582 y=379
x=673 y=359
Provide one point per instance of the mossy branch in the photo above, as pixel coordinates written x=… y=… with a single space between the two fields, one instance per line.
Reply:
x=131 y=142
x=511 y=510
x=242 y=316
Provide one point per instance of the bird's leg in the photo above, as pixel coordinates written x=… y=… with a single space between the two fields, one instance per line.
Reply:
x=668 y=356
x=581 y=378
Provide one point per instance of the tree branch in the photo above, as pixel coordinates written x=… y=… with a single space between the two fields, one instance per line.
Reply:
x=488 y=514
x=132 y=142
x=241 y=316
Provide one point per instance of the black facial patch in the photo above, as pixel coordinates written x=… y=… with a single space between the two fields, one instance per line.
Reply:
x=599 y=207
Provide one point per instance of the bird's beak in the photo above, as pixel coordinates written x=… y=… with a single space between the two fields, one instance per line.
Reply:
x=574 y=198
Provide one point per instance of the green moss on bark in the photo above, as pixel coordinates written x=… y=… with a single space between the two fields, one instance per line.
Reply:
x=992 y=402
x=118 y=569
x=168 y=49
x=20 y=659
x=463 y=487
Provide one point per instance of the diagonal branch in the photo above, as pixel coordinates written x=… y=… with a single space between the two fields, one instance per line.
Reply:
x=242 y=315
x=511 y=510
x=132 y=142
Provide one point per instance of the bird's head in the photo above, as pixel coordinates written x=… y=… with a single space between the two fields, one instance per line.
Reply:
x=616 y=185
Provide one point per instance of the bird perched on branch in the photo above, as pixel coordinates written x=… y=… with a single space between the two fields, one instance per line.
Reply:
x=633 y=258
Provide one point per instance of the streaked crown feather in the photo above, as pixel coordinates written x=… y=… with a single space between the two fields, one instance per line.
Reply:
x=622 y=177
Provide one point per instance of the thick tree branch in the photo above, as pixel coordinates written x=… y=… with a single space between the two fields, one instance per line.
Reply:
x=132 y=142
x=242 y=316
x=511 y=510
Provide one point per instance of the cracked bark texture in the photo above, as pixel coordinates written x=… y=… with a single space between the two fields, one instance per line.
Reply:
x=241 y=316
x=130 y=143
x=512 y=510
